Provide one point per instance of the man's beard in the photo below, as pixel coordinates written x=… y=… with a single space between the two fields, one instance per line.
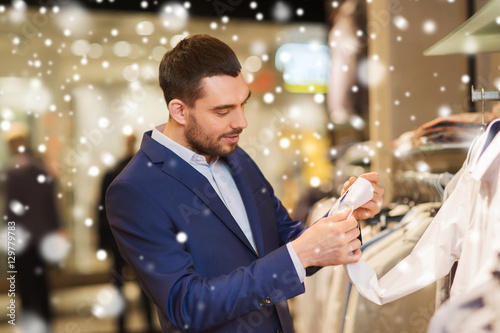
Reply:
x=203 y=144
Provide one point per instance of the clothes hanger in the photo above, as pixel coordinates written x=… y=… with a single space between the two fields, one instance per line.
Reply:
x=484 y=95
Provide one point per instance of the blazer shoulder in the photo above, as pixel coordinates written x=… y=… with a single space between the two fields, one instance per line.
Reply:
x=139 y=179
x=140 y=171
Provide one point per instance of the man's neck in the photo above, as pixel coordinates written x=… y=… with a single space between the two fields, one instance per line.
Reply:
x=176 y=132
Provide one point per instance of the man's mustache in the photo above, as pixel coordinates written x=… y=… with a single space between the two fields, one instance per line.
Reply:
x=236 y=132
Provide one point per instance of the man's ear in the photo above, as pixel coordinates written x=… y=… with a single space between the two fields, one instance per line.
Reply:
x=178 y=111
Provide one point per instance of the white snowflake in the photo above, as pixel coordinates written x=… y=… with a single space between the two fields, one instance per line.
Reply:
x=110 y=303
x=181 y=237
x=54 y=248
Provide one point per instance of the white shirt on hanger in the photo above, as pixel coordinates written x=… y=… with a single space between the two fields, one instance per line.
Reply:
x=466 y=228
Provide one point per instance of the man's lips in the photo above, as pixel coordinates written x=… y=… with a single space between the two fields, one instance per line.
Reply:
x=232 y=138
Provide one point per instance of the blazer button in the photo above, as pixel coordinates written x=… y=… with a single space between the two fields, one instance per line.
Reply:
x=268 y=300
x=262 y=303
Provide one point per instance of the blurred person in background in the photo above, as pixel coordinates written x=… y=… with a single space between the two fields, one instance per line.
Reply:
x=107 y=241
x=30 y=203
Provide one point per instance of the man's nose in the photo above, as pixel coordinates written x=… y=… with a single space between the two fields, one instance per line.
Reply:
x=239 y=120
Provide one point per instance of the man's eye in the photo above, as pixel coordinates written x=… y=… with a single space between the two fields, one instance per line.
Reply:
x=223 y=113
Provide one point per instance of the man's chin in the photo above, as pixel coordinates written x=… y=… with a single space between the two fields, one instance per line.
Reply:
x=231 y=149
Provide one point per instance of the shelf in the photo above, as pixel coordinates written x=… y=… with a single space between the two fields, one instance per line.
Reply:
x=433 y=148
x=437 y=158
x=478 y=34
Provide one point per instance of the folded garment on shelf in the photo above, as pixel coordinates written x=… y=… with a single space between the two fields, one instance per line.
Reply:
x=456 y=128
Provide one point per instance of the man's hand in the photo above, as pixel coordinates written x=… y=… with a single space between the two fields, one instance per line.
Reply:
x=330 y=241
x=373 y=206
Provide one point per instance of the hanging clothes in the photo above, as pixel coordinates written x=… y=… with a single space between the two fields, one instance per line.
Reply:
x=309 y=310
x=339 y=289
x=466 y=229
x=476 y=311
x=411 y=313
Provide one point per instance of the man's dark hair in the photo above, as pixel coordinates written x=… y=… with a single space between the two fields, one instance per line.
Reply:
x=191 y=60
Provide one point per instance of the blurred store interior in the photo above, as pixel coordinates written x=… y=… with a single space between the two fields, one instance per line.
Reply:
x=334 y=85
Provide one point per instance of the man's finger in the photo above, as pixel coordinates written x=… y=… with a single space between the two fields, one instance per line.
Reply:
x=371 y=176
x=371 y=206
x=377 y=189
x=353 y=257
x=353 y=234
x=340 y=216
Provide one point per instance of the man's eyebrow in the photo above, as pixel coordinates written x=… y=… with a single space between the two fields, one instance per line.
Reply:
x=229 y=106
x=249 y=94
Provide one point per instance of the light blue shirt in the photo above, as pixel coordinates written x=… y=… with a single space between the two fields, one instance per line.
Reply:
x=221 y=179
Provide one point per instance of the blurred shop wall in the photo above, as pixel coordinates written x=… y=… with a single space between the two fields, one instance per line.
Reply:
x=82 y=79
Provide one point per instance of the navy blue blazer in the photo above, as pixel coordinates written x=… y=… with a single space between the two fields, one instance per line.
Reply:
x=212 y=280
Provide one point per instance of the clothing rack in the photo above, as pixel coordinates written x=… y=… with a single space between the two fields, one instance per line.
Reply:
x=485 y=95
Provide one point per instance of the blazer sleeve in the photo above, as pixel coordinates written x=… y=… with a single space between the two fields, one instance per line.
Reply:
x=147 y=238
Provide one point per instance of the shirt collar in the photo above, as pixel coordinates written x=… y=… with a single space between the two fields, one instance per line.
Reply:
x=489 y=151
x=185 y=153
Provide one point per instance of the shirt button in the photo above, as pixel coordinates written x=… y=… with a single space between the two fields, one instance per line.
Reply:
x=268 y=300
x=262 y=303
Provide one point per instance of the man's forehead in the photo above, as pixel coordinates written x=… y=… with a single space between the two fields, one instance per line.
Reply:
x=225 y=87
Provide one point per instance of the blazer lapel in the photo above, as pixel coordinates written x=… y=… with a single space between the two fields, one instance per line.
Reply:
x=247 y=195
x=176 y=167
